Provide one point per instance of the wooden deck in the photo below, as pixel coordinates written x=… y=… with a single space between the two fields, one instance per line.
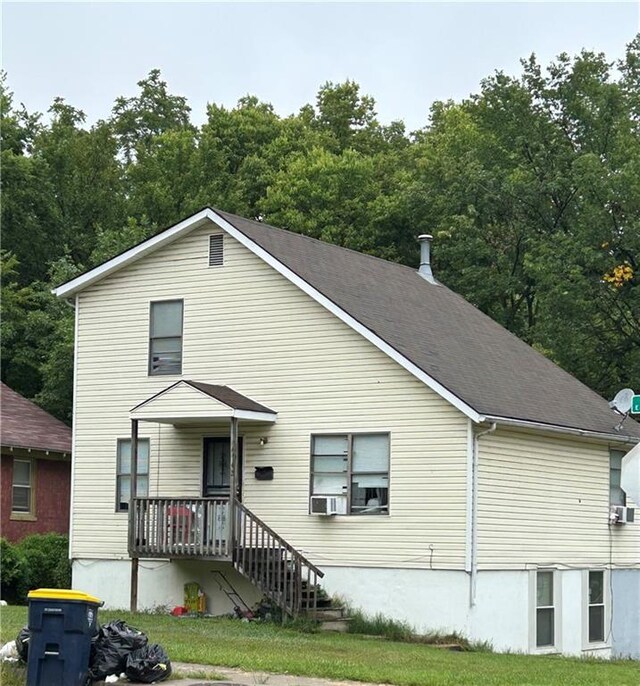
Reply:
x=180 y=528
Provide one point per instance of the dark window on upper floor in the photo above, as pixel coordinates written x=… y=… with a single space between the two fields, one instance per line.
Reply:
x=165 y=337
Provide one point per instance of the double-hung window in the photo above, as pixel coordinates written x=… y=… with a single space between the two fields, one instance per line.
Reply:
x=165 y=337
x=616 y=494
x=354 y=466
x=22 y=496
x=545 y=610
x=123 y=476
x=596 y=607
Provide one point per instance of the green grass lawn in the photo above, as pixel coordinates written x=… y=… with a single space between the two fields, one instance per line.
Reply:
x=271 y=648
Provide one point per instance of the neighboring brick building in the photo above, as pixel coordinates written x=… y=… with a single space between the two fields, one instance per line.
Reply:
x=36 y=468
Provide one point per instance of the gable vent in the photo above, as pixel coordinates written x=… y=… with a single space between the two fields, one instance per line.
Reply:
x=216 y=254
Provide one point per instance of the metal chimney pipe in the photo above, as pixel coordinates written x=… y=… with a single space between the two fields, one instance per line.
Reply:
x=425 y=257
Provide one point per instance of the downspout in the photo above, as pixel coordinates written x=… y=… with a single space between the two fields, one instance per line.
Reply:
x=75 y=304
x=474 y=512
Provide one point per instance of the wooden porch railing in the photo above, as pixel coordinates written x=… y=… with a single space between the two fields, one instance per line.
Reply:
x=272 y=565
x=179 y=527
x=203 y=528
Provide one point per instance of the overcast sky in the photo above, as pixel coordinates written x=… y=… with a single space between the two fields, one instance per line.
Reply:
x=405 y=55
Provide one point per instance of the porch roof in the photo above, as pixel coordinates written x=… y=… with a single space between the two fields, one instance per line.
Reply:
x=187 y=402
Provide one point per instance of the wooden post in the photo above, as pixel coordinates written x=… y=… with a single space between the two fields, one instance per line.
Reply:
x=233 y=477
x=134 y=460
x=132 y=518
x=134 y=584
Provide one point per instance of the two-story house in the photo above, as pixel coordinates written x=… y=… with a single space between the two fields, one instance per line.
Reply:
x=292 y=413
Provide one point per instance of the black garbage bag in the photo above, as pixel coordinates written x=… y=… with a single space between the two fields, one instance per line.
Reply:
x=111 y=647
x=22 y=643
x=148 y=665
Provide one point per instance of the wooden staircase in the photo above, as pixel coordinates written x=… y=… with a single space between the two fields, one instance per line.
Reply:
x=282 y=573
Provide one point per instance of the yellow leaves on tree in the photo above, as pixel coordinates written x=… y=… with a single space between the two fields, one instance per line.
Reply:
x=619 y=275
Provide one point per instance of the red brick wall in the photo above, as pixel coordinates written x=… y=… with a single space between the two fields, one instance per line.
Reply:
x=53 y=483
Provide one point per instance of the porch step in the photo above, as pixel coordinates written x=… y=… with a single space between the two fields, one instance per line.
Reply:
x=339 y=625
x=328 y=614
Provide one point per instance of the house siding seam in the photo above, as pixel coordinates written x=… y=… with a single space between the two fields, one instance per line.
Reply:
x=544 y=501
x=247 y=327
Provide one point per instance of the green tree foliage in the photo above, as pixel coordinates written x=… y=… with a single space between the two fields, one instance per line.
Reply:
x=29 y=218
x=531 y=187
x=14 y=572
x=36 y=561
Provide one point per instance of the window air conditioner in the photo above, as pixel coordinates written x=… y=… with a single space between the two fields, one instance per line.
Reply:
x=619 y=514
x=328 y=504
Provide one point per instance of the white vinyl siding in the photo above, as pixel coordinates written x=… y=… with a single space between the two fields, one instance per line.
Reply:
x=182 y=402
x=544 y=499
x=247 y=327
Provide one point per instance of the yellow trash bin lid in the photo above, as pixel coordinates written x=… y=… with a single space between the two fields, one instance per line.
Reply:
x=62 y=594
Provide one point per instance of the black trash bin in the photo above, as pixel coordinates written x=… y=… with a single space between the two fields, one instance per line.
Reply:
x=62 y=623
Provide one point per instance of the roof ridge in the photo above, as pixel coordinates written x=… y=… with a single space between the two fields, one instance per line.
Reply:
x=312 y=238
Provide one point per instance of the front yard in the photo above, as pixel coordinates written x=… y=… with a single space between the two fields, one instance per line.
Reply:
x=271 y=648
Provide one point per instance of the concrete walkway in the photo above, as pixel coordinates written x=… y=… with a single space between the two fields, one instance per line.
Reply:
x=236 y=677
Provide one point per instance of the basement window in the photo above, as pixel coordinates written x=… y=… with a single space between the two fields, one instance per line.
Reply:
x=355 y=467
x=545 y=610
x=165 y=337
x=596 y=606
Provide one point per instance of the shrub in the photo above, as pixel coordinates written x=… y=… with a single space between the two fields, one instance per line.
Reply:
x=47 y=560
x=14 y=572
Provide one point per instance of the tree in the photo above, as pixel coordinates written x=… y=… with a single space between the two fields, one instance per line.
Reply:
x=154 y=111
x=29 y=216
x=531 y=188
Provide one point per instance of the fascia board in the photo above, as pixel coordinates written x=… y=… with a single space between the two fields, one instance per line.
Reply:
x=251 y=415
x=70 y=288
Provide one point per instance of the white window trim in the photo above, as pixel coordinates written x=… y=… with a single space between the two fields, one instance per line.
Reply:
x=606 y=581
x=624 y=495
x=349 y=472
x=151 y=338
x=120 y=474
x=557 y=612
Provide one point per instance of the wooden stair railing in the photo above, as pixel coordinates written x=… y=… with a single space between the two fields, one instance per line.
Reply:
x=282 y=573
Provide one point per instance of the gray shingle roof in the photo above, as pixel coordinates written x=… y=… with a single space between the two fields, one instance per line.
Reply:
x=229 y=397
x=25 y=425
x=467 y=352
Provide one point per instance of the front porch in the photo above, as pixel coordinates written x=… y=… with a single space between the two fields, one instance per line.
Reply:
x=223 y=530
x=215 y=526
